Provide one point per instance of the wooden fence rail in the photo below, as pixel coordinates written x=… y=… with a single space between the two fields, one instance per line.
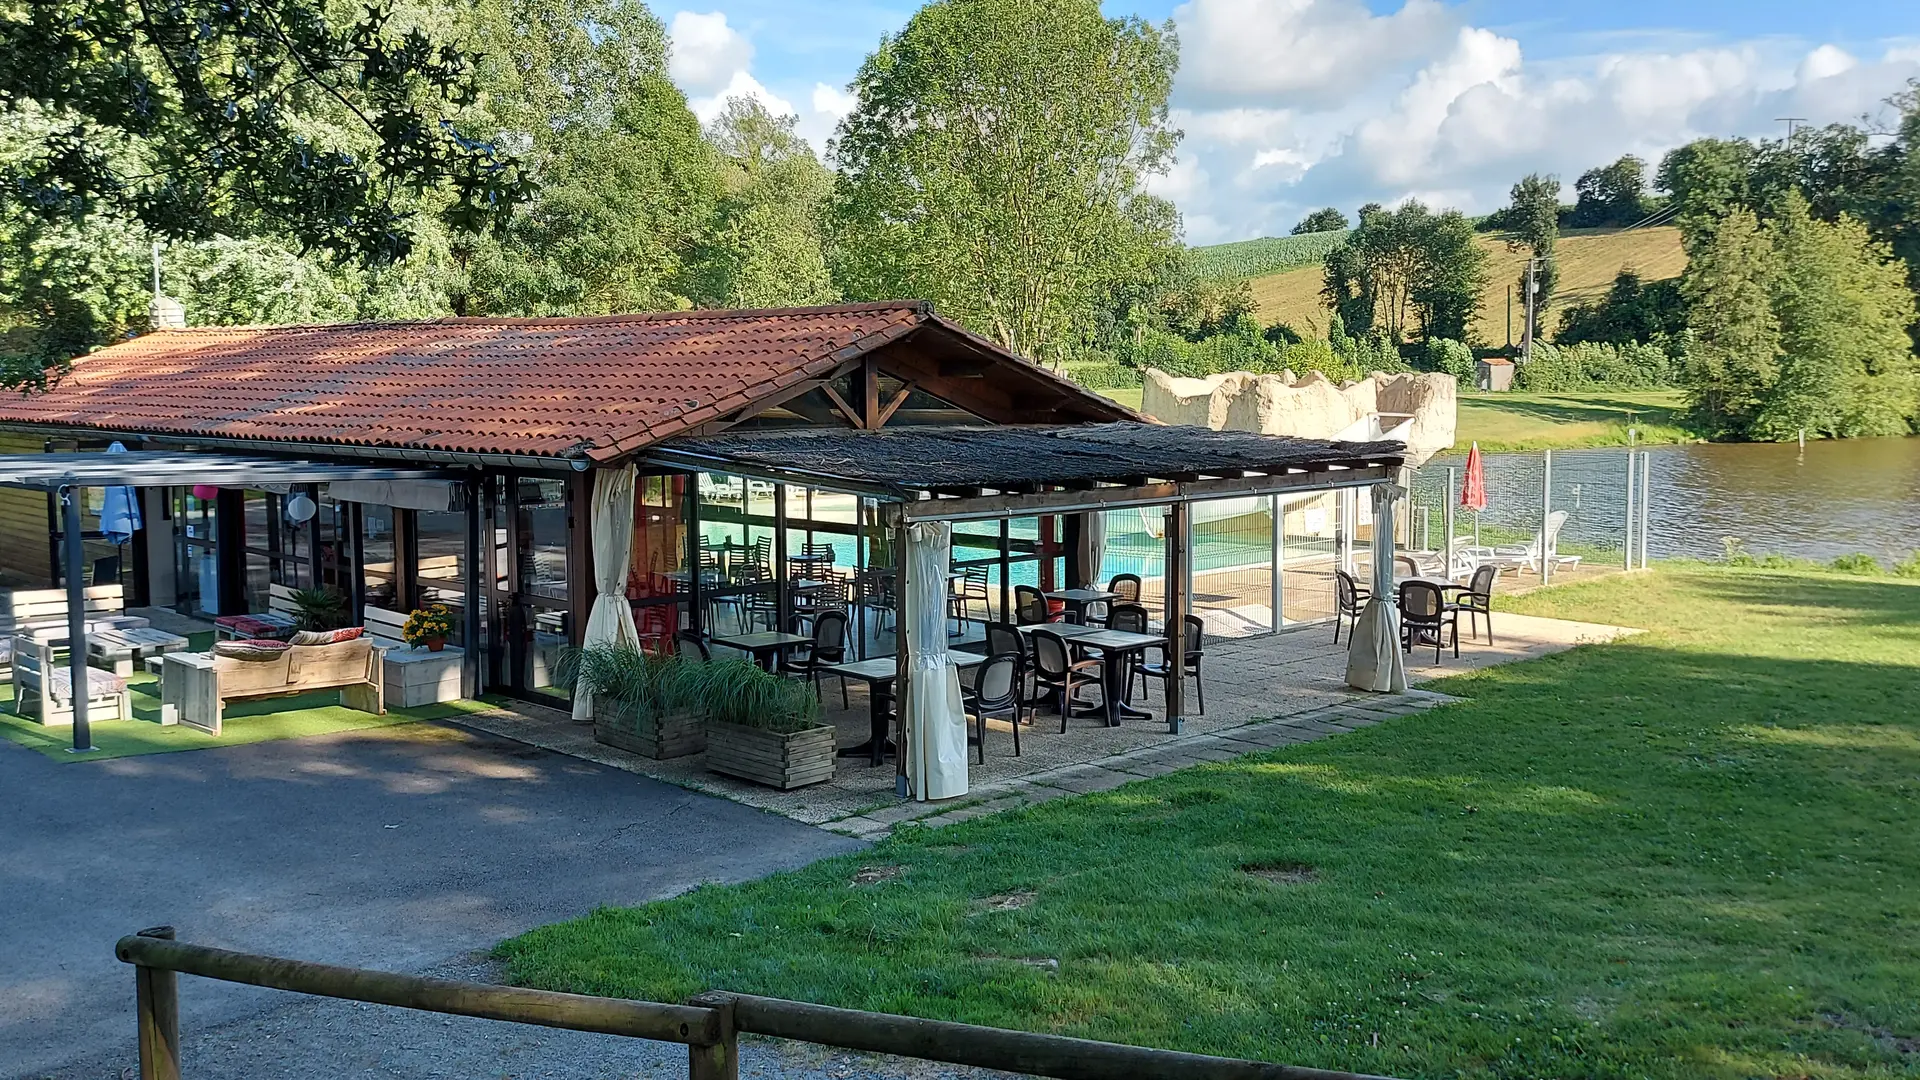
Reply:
x=709 y=1024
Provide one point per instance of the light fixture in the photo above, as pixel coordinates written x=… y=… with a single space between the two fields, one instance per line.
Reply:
x=300 y=508
x=205 y=492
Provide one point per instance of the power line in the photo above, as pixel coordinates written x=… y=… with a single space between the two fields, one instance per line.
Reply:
x=1790 y=121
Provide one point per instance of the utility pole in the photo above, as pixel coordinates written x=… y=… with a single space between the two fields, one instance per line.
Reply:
x=1790 y=121
x=1526 y=332
x=1509 y=317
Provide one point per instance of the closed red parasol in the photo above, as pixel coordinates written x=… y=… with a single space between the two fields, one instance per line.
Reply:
x=1473 y=490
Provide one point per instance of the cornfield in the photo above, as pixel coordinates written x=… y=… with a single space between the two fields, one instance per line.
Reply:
x=1267 y=255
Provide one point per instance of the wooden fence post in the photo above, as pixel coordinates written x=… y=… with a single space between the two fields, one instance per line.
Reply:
x=157 y=999
x=720 y=1060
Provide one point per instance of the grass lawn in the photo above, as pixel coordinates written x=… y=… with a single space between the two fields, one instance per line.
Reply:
x=1519 y=421
x=1688 y=854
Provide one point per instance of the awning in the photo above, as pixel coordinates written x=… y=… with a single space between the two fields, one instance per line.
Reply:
x=963 y=473
x=150 y=468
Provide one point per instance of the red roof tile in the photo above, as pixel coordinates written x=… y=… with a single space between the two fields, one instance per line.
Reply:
x=606 y=385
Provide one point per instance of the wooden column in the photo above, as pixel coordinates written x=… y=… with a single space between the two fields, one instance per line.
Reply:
x=355 y=544
x=1006 y=574
x=581 y=586
x=230 y=550
x=157 y=1006
x=1176 y=610
x=690 y=513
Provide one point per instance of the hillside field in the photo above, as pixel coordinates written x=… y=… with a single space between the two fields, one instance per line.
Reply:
x=1589 y=260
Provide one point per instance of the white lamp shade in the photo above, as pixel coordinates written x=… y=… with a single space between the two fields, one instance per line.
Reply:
x=300 y=508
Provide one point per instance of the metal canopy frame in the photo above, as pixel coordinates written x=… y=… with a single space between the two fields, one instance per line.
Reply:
x=909 y=502
x=69 y=474
x=153 y=468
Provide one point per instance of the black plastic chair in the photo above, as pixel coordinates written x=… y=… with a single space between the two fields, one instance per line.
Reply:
x=1195 y=653
x=829 y=647
x=996 y=693
x=1478 y=601
x=1030 y=607
x=1424 y=612
x=1348 y=599
x=1059 y=672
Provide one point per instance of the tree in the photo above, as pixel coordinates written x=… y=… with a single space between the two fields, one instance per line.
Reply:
x=1847 y=365
x=1732 y=358
x=1706 y=180
x=1405 y=263
x=1631 y=312
x=1613 y=194
x=1533 y=219
x=763 y=248
x=1326 y=220
x=993 y=164
x=197 y=117
x=1450 y=279
x=627 y=183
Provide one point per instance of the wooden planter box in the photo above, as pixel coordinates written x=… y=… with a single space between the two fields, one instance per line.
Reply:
x=766 y=757
x=673 y=735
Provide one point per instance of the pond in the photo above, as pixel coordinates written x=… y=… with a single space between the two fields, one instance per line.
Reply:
x=1834 y=498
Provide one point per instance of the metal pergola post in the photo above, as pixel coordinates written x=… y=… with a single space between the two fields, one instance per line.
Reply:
x=1176 y=612
x=902 y=669
x=1546 y=512
x=471 y=678
x=80 y=688
x=1630 y=510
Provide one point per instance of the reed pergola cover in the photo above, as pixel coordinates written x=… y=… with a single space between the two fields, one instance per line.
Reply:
x=955 y=473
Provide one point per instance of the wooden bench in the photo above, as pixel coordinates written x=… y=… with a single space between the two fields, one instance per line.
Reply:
x=43 y=689
x=281 y=618
x=198 y=686
x=43 y=613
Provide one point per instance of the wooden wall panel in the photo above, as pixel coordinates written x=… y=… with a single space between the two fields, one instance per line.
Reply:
x=23 y=524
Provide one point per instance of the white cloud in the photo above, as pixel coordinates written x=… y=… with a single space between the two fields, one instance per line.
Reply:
x=741 y=85
x=1317 y=51
x=1290 y=105
x=707 y=53
x=830 y=101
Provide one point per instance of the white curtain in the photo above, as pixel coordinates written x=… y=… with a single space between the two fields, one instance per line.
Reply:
x=1374 y=661
x=936 y=719
x=611 y=621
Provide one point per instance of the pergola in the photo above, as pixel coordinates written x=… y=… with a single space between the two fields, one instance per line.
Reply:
x=966 y=473
x=69 y=474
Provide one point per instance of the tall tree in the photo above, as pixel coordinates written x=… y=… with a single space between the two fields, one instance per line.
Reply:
x=994 y=164
x=627 y=183
x=197 y=117
x=1847 y=365
x=1402 y=264
x=1613 y=194
x=1707 y=179
x=1533 y=219
x=763 y=248
x=1732 y=359
x=1327 y=219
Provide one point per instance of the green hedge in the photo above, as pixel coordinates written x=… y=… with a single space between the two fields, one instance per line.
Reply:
x=1594 y=366
x=1104 y=375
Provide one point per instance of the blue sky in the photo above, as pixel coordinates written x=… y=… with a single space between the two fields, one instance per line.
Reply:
x=1292 y=104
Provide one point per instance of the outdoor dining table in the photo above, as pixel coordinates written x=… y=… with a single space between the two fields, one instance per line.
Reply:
x=766 y=646
x=878 y=673
x=122 y=647
x=1115 y=646
x=1447 y=590
x=1076 y=600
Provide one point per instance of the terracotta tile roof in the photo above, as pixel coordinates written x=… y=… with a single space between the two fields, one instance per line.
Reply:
x=603 y=386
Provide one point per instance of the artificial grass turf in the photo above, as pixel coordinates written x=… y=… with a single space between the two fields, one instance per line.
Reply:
x=1687 y=854
x=294 y=717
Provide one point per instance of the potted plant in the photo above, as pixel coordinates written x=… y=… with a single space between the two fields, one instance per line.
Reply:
x=428 y=626
x=764 y=728
x=652 y=704
x=319 y=609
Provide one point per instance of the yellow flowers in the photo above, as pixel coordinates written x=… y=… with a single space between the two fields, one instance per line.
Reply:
x=426 y=624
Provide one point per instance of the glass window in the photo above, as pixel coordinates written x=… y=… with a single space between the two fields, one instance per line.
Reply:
x=441 y=574
x=196 y=570
x=541 y=561
x=379 y=571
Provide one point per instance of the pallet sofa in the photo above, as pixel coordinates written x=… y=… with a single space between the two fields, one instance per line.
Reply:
x=196 y=687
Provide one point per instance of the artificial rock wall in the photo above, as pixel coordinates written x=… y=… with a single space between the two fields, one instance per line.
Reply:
x=1312 y=407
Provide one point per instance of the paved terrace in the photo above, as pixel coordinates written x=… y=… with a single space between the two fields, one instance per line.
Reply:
x=1261 y=692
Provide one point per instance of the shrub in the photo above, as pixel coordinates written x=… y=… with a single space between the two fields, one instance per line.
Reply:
x=1452 y=357
x=1594 y=366
x=1104 y=375
x=1857 y=563
x=1908 y=567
